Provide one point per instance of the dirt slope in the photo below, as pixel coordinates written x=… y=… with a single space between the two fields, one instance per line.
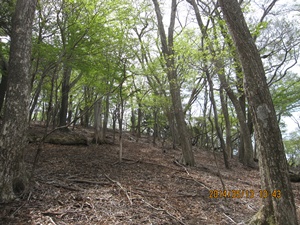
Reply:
x=87 y=185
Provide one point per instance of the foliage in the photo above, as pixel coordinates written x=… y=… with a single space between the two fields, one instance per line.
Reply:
x=99 y=38
x=286 y=96
x=292 y=148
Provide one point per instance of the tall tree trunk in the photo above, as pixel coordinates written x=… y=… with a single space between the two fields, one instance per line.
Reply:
x=36 y=97
x=244 y=152
x=168 y=52
x=155 y=125
x=172 y=127
x=98 y=121
x=218 y=128
x=105 y=118
x=86 y=117
x=132 y=120
x=244 y=131
x=120 y=120
x=65 y=95
x=121 y=115
x=50 y=113
x=205 y=138
x=139 y=121
x=114 y=119
x=272 y=159
x=13 y=139
x=227 y=123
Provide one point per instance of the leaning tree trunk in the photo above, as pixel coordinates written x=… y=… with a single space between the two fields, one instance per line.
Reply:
x=168 y=52
x=272 y=160
x=13 y=138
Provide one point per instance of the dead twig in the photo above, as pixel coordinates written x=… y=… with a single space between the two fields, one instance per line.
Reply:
x=165 y=211
x=121 y=187
x=179 y=164
x=51 y=220
x=229 y=218
x=191 y=177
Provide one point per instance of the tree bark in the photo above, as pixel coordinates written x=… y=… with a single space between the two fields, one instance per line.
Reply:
x=272 y=159
x=168 y=53
x=13 y=139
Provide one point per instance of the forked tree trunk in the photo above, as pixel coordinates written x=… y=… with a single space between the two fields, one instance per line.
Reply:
x=280 y=208
x=168 y=52
x=13 y=139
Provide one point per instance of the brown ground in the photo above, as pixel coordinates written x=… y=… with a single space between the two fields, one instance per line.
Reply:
x=87 y=185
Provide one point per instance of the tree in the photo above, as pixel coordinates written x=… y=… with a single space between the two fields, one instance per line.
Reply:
x=292 y=146
x=169 y=57
x=6 y=12
x=272 y=160
x=13 y=138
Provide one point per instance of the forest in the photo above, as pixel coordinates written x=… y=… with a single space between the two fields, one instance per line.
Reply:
x=149 y=112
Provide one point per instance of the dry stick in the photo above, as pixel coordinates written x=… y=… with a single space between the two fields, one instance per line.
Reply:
x=229 y=218
x=163 y=210
x=120 y=186
x=42 y=141
x=51 y=220
x=179 y=164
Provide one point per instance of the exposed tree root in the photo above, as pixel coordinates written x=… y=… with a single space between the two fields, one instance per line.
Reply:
x=262 y=217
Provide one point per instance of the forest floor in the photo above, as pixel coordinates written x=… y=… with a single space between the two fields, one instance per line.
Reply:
x=88 y=185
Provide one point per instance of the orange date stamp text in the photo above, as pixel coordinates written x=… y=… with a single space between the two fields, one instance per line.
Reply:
x=243 y=193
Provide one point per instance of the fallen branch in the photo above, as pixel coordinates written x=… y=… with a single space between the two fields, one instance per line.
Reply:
x=65 y=186
x=87 y=181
